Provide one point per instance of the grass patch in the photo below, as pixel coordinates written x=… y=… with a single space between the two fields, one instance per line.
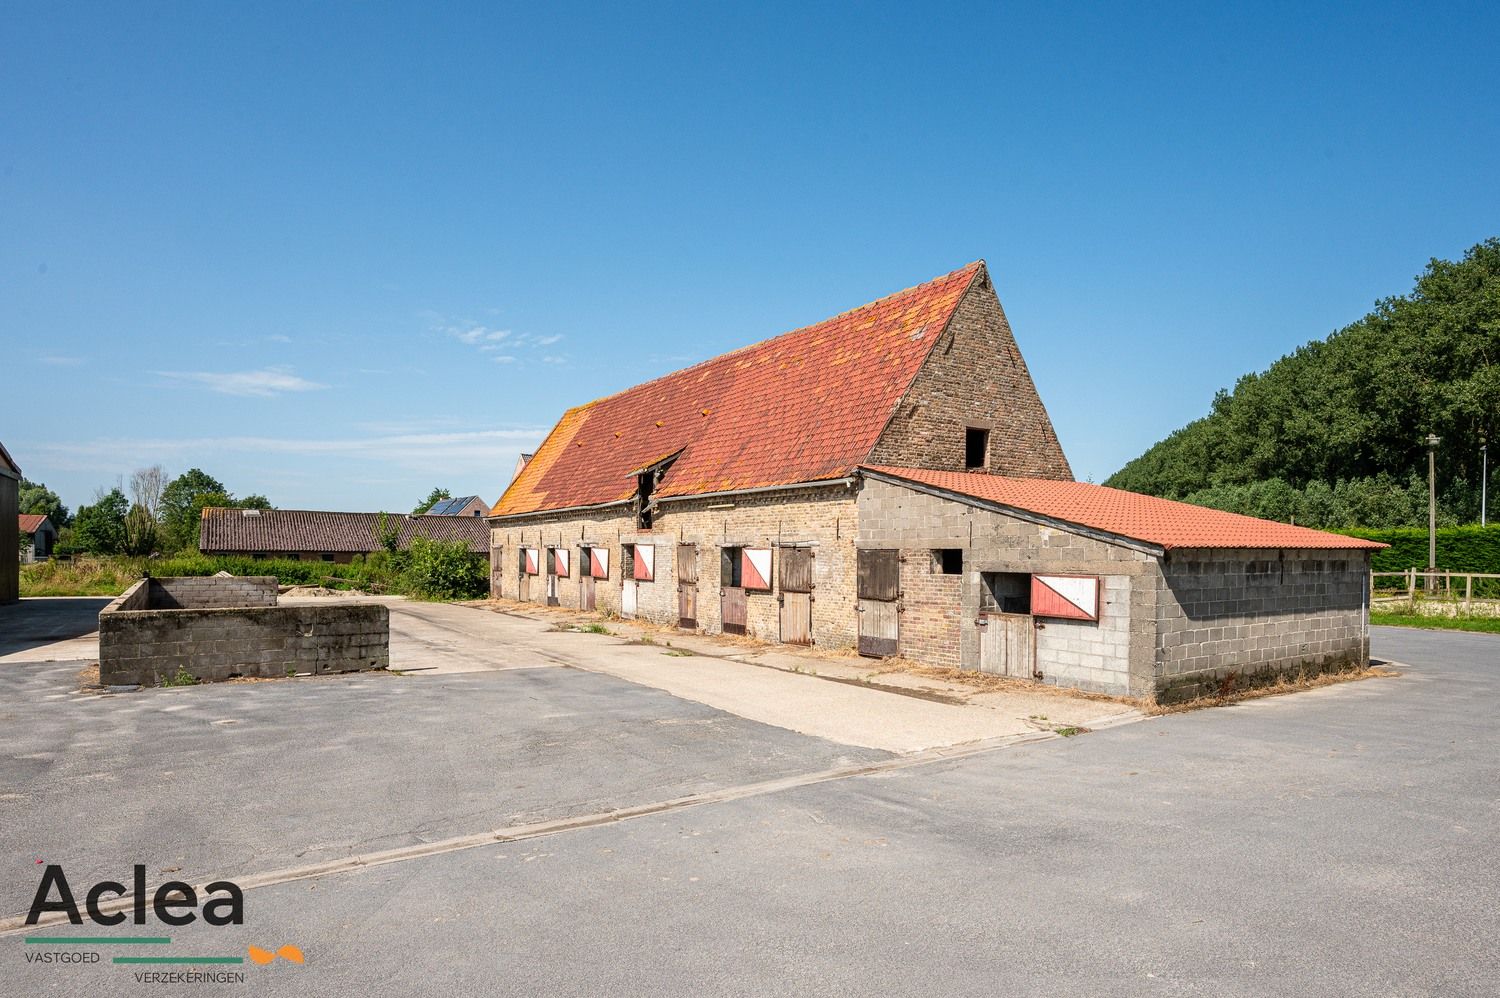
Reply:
x=679 y=653
x=1487 y=625
x=183 y=678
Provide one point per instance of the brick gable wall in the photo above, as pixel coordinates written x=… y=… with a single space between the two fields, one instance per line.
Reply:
x=975 y=376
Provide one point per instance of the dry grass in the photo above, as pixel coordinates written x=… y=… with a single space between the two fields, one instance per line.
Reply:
x=985 y=682
x=1284 y=684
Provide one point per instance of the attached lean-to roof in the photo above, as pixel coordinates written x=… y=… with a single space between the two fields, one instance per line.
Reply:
x=806 y=406
x=1160 y=522
x=285 y=530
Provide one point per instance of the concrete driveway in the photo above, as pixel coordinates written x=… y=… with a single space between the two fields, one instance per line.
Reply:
x=1334 y=842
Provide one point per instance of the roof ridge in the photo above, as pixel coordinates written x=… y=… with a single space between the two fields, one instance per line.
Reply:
x=790 y=332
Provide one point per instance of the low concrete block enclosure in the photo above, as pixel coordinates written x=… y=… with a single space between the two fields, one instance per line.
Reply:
x=225 y=627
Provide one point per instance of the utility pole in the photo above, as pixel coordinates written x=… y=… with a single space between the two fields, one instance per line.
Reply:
x=1432 y=441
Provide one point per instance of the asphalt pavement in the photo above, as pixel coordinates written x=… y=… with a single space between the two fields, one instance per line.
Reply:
x=1336 y=842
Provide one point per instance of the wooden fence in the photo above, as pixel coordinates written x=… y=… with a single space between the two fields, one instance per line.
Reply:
x=1416 y=583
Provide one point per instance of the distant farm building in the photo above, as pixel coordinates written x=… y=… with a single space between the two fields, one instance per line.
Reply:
x=38 y=537
x=889 y=480
x=10 y=557
x=462 y=506
x=315 y=535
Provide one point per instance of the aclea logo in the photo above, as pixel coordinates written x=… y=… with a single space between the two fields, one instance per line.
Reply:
x=173 y=903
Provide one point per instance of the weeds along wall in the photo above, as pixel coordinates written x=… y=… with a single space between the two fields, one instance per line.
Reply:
x=821 y=517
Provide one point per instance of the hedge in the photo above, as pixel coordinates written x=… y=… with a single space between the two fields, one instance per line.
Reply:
x=1459 y=549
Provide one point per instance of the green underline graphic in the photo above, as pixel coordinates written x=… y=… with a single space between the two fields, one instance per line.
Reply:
x=99 y=940
x=179 y=959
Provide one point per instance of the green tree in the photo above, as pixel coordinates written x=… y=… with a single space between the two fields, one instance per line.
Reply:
x=1355 y=407
x=180 y=506
x=100 y=528
x=140 y=532
x=433 y=498
x=34 y=497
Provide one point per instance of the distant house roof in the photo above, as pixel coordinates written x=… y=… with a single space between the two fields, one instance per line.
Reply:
x=454 y=507
x=806 y=406
x=8 y=467
x=273 y=530
x=1160 y=522
x=32 y=522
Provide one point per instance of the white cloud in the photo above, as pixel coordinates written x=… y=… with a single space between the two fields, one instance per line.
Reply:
x=488 y=339
x=264 y=383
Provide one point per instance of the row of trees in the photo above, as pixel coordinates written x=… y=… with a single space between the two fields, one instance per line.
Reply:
x=1346 y=416
x=158 y=515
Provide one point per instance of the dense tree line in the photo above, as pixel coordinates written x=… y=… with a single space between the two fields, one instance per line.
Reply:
x=159 y=515
x=1332 y=434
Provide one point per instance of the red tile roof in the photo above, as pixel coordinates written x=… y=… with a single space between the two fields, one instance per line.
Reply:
x=31 y=522
x=284 y=530
x=1161 y=522
x=806 y=406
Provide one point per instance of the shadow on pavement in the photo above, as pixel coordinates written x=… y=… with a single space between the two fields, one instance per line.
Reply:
x=34 y=623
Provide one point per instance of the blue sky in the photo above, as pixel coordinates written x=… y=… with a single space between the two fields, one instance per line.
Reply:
x=340 y=254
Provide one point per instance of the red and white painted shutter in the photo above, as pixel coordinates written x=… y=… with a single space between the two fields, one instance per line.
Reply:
x=599 y=562
x=1070 y=597
x=645 y=563
x=560 y=562
x=755 y=568
x=533 y=559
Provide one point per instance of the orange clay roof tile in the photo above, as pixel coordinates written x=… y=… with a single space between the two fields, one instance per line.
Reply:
x=1161 y=522
x=806 y=406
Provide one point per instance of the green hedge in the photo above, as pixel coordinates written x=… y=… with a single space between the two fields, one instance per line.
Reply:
x=1459 y=549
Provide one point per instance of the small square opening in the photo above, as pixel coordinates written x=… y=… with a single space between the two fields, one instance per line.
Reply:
x=976 y=447
x=947 y=561
x=1005 y=592
x=731 y=568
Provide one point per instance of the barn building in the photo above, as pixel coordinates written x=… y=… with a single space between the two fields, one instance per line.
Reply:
x=10 y=540
x=38 y=536
x=326 y=535
x=889 y=480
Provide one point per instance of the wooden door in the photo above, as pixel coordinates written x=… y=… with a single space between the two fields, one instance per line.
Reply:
x=497 y=572
x=586 y=597
x=1007 y=644
x=552 y=577
x=879 y=607
x=732 y=609
x=796 y=595
x=687 y=587
x=523 y=584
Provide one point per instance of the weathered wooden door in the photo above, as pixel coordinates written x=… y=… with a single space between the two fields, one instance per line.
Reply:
x=687 y=587
x=627 y=581
x=1007 y=644
x=497 y=570
x=523 y=586
x=879 y=607
x=796 y=595
x=552 y=577
x=586 y=597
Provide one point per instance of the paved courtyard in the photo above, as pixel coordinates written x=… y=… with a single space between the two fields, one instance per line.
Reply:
x=1333 y=842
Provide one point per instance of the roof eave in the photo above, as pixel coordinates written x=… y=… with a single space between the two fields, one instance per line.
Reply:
x=1026 y=515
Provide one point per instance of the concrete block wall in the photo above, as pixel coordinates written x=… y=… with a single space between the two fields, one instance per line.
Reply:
x=975 y=376
x=210 y=591
x=1113 y=655
x=138 y=644
x=1258 y=613
x=822 y=517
